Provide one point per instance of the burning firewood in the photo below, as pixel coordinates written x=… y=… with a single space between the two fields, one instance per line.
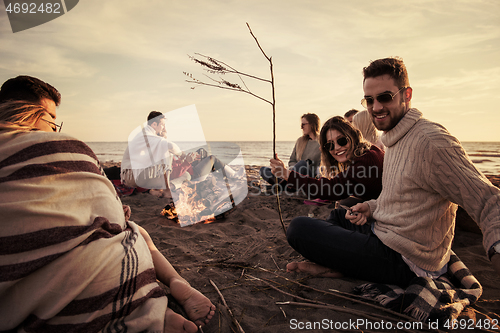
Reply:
x=169 y=212
x=199 y=202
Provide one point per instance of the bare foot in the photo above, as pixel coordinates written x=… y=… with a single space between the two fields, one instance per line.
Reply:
x=198 y=307
x=313 y=269
x=175 y=323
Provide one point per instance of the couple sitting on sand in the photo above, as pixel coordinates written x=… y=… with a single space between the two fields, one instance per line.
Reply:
x=70 y=259
x=310 y=159
x=153 y=162
x=405 y=226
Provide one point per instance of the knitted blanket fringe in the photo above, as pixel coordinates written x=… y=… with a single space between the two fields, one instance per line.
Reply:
x=155 y=171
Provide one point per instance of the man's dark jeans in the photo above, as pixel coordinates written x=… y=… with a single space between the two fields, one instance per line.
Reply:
x=353 y=250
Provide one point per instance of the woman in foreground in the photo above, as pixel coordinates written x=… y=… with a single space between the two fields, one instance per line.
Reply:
x=351 y=167
x=69 y=258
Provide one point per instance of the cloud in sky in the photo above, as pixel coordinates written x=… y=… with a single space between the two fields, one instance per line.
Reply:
x=116 y=60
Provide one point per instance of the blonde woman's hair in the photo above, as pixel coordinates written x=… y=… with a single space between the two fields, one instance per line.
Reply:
x=359 y=146
x=363 y=122
x=20 y=115
x=313 y=121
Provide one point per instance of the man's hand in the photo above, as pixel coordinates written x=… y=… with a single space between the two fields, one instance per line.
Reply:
x=191 y=157
x=359 y=214
x=278 y=168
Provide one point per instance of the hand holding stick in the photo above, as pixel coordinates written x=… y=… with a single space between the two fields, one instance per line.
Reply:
x=278 y=168
x=359 y=214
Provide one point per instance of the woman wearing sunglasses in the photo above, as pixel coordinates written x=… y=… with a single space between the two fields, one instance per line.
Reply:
x=75 y=240
x=25 y=115
x=306 y=157
x=350 y=167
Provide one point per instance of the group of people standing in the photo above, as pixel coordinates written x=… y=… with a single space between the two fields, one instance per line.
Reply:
x=69 y=253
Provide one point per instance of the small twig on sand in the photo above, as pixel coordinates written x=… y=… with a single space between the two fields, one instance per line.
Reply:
x=275 y=263
x=318 y=304
x=227 y=307
x=310 y=301
x=267 y=322
x=349 y=297
x=361 y=313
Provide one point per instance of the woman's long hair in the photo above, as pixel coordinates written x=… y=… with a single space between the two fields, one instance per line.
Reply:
x=359 y=146
x=313 y=121
x=20 y=115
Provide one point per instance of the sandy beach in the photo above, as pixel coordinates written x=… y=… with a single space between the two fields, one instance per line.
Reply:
x=245 y=256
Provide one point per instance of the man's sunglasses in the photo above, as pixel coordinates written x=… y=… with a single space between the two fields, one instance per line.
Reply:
x=382 y=98
x=54 y=125
x=330 y=145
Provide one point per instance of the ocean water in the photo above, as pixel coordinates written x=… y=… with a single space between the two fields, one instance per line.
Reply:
x=253 y=152
x=484 y=155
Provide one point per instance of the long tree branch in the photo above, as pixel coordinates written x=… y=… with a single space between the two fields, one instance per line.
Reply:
x=215 y=66
x=274 y=120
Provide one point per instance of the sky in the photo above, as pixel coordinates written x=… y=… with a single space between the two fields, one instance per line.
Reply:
x=114 y=61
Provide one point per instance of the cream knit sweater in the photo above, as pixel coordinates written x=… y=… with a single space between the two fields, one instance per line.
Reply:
x=426 y=175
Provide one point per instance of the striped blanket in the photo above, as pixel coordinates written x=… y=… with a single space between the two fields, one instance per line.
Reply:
x=69 y=262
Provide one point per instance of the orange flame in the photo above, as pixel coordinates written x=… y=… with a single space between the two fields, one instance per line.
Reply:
x=188 y=208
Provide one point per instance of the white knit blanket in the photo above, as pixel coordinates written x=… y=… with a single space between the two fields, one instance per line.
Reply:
x=148 y=156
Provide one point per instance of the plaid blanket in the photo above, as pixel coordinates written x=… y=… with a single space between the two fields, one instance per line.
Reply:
x=426 y=299
x=69 y=262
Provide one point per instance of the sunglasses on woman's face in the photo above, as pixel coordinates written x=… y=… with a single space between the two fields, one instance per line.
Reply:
x=382 y=98
x=54 y=125
x=303 y=124
x=330 y=145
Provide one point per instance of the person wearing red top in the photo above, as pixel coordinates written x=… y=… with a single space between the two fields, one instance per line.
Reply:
x=351 y=167
x=362 y=179
x=149 y=155
x=197 y=164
